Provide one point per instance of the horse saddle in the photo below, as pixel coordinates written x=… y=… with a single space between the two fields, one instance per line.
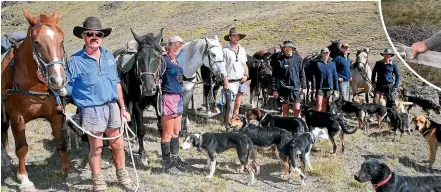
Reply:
x=126 y=57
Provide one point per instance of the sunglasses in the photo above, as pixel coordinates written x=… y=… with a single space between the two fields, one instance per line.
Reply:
x=97 y=34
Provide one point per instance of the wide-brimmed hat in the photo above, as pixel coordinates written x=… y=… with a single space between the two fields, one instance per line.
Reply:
x=91 y=23
x=387 y=52
x=233 y=31
x=289 y=44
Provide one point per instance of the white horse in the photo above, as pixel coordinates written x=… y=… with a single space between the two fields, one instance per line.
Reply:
x=193 y=55
x=361 y=74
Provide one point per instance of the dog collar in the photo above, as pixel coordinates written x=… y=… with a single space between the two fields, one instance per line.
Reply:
x=427 y=131
x=261 y=119
x=312 y=137
x=200 y=143
x=382 y=182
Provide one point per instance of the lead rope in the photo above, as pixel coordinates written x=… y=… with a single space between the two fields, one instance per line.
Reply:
x=124 y=128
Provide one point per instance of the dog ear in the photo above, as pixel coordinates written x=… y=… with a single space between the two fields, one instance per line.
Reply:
x=257 y=112
x=427 y=123
x=384 y=168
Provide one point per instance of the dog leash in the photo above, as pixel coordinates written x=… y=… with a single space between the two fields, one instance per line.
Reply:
x=124 y=128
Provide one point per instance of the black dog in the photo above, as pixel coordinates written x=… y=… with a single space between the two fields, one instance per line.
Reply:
x=377 y=109
x=332 y=122
x=302 y=144
x=292 y=124
x=215 y=143
x=348 y=107
x=398 y=121
x=424 y=103
x=384 y=180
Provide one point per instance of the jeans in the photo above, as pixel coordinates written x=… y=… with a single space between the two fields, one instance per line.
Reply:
x=344 y=90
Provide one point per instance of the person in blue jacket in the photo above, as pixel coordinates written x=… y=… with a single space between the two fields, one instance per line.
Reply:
x=324 y=80
x=385 y=78
x=343 y=65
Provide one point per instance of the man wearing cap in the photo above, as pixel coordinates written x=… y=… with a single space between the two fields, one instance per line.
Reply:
x=383 y=78
x=343 y=65
x=433 y=43
x=324 y=80
x=289 y=82
x=94 y=86
x=237 y=72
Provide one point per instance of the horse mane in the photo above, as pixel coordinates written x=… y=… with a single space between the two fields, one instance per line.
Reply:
x=192 y=48
x=149 y=39
x=49 y=21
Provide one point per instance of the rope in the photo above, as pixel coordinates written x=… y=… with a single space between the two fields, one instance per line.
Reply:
x=124 y=128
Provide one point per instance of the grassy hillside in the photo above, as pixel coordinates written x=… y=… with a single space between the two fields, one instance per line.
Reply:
x=267 y=24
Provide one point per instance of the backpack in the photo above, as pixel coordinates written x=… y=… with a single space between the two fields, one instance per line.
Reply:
x=125 y=57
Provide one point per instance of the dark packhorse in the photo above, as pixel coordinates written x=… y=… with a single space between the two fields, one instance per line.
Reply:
x=260 y=74
x=141 y=84
x=31 y=72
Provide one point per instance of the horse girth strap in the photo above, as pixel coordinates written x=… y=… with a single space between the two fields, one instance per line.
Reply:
x=24 y=92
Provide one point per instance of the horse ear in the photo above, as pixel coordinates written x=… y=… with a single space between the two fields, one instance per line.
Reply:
x=32 y=20
x=55 y=16
x=159 y=36
x=216 y=38
x=358 y=49
x=137 y=38
x=367 y=50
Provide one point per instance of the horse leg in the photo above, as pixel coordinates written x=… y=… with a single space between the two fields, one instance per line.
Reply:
x=21 y=146
x=206 y=91
x=57 y=122
x=4 y=128
x=213 y=102
x=140 y=130
x=366 y=93
x=252 y=94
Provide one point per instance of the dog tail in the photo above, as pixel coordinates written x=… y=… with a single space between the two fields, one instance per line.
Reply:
x=344 y=127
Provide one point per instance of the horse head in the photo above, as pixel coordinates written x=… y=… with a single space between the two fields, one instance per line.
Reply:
x=46 y=39
x=334 y=48
x=362 y=58
x=148 y=62
x=214 y=55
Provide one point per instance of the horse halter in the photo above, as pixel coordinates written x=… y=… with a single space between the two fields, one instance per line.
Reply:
x=156 y=75
x=210 y=60
x=41 y=64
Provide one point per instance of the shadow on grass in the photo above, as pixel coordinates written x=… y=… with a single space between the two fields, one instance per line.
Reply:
x=407 y=162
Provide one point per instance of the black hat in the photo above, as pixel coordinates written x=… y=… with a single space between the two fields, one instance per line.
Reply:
x=91 y=23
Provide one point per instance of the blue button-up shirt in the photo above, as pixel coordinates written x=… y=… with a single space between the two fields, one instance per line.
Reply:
x=91 y=83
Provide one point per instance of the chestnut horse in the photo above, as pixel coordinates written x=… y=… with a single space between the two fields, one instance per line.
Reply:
x=30 y=73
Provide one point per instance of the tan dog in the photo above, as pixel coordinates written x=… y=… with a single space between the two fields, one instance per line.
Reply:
x=400 y=104
x=432 y=133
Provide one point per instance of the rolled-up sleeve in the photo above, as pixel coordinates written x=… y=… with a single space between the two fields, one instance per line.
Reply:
x=434 y=43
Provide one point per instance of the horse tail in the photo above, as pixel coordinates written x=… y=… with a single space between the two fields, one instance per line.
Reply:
x=5 y=127
x=344 y=127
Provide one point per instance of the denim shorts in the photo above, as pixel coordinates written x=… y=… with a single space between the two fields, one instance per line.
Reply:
x=97 y=119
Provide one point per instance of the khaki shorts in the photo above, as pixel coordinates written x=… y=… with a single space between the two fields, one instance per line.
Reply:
x=98 y=119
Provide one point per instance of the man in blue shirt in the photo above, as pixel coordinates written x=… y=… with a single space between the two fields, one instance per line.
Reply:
x=383 y=78
x=8 y=40
x=94 y=86
x=343 y=71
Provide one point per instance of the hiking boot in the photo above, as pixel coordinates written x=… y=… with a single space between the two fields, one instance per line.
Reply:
x=98 y=183
x=175 y=159
x=124 y=179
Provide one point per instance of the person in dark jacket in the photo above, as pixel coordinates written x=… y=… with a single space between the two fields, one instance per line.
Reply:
x=324 y=80
x=289 y=82
x=343 y=65
x=383 y=78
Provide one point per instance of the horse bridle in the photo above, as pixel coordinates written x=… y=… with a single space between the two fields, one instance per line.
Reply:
x=157 y=75
x=362 y=72
x=210 y=60
x=42 y=65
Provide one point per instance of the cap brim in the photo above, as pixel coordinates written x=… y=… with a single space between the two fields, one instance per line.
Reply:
x=78 y=30
x=382 y=54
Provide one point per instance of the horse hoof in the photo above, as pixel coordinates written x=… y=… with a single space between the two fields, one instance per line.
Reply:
x=27 y=186
x=73 y=177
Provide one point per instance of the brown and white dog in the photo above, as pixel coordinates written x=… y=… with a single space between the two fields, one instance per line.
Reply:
x=431 y=132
